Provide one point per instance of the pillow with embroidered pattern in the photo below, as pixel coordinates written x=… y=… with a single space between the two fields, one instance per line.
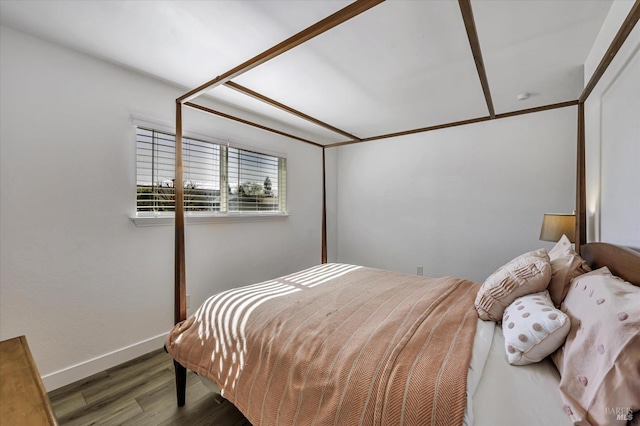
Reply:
x=526 y=274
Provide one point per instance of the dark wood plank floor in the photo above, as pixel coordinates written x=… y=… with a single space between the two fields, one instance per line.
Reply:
x=141 y=392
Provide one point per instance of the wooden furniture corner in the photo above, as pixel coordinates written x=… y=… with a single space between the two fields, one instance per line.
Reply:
x=23 y=399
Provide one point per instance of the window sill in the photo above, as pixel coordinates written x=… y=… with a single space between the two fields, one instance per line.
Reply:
x=195 y=219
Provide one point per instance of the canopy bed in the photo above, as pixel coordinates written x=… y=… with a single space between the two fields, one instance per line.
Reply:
x=307 y=348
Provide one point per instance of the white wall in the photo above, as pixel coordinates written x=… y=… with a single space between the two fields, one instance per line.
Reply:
x=612 y=115
x=460 y=201
x=86 y=286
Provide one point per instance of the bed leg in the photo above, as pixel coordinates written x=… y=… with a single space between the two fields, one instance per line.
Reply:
x=181 y=383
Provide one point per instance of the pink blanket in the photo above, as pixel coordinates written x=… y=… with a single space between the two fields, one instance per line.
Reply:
x=337 y=345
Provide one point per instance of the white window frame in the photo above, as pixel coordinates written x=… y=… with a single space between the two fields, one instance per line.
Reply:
x=168 y=218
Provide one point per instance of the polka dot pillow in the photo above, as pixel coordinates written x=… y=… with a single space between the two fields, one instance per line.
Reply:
x=533 y=328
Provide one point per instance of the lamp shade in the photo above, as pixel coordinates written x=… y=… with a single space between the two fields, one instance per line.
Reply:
x=555 y=225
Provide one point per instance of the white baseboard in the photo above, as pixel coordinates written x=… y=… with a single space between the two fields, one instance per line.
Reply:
x=71 y=374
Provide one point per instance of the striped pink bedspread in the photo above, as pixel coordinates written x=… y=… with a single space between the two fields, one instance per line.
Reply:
x=337 y=345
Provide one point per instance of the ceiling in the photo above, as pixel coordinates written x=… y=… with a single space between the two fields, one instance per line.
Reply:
x=400 y=65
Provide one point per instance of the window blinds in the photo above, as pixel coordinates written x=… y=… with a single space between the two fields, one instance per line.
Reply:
x=256 y=181
x=217 y=178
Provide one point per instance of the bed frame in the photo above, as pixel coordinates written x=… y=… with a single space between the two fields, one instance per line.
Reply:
x=622 y=262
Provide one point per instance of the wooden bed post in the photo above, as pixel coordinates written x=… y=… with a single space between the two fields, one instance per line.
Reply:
x=324 y=208
x=581 y=192
x=180 y=305
x=180 y=312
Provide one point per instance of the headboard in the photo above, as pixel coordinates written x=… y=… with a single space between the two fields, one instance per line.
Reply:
x=621 y=261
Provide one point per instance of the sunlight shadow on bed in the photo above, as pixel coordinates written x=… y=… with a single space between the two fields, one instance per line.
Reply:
x=222 y=319
x=321 y=274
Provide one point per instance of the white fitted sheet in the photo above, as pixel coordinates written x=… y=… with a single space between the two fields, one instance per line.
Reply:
x=481 y=346
x=526 y=395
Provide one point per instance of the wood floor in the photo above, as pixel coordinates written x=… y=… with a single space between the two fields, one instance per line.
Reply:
x=141 y=392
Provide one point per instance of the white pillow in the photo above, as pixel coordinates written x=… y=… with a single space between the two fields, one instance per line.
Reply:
x=526 y=274
x=533 y=328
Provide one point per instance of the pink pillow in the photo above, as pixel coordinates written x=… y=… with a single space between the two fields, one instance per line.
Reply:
x=566 y=264
x=599 y=362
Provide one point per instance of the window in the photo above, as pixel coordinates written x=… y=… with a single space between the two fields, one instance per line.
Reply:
x=217 y=178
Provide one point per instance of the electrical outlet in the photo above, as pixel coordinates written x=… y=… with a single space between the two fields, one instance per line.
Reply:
x=188 y=301
x=420 y=271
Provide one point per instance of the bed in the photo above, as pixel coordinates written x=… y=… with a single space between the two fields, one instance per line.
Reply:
x=344 y=344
